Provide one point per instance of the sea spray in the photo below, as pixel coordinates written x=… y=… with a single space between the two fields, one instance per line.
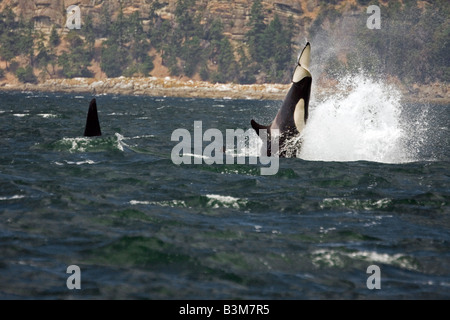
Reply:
x=362 y=120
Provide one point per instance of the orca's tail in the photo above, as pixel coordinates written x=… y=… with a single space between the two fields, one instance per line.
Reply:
x=92 y=123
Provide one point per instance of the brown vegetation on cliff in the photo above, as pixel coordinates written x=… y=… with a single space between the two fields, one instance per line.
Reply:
x=341 y=44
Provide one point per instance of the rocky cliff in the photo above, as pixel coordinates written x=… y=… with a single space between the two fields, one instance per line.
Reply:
x=235 y=15
x=342 y=20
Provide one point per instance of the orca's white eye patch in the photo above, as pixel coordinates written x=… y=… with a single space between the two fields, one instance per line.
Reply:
x=299 y=115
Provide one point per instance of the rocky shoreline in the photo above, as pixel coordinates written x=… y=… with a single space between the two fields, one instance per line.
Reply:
x=171 y=87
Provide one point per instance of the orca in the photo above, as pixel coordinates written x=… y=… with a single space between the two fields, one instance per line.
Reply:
x=92 y=128
x=293 y=113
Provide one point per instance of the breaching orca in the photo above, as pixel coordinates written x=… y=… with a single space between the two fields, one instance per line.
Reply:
x=92 y=123
x=291 y=117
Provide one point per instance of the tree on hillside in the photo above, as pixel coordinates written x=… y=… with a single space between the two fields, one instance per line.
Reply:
x=45 y=56
x=247 y=70
x=277 y=50
x=125 y=52
x=25 y=40
x=25 y=74
x=88 y=32
x=269 y=45
x=75 y=63
x=413 y=43
x=54 y=39
x=139 y=46
x=17 y=39
x=8 y=36
x=187 y=36
x=105 y=20
x=115 y=58
x=227 y=67
x=256 y=33
x=221 y=53
x=53 y=42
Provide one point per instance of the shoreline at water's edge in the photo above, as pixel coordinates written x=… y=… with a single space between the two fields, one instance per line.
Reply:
x=170 y=87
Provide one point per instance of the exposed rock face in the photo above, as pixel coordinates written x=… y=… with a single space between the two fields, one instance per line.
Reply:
x=235 y=14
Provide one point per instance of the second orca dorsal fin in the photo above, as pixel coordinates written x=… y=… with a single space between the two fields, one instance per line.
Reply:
x=92 y=128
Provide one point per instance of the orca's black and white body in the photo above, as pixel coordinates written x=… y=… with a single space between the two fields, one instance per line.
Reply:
x=92 y=128
x=291 y=117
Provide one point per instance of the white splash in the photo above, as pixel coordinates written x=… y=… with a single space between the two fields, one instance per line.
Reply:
x=120 y=142
x=77 y=144
x=362 y=121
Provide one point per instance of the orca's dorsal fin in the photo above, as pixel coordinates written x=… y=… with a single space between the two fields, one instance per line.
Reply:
x=258 y=126
x=92 y=123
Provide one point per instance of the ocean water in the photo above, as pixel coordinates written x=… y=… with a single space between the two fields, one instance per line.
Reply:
x=369 y=187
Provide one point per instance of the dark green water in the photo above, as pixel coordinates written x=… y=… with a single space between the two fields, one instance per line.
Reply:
x=141 y=227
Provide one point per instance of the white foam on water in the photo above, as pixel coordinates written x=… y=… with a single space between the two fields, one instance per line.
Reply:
x=47 y=115
x=334 y=258
x=78 y=163
x=12 y=197
x=137 y=202
x=77 y=144
x=172 y=203
x=120 y=142
x=140 y=137
x=361 y=121
x=217 y=201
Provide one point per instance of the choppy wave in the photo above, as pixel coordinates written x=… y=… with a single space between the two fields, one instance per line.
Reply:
x=78 y=163
x=211 y=201
x=14 y=197
x=141 y=227
x=88 y=144
x=47 y=115
x=340 y=258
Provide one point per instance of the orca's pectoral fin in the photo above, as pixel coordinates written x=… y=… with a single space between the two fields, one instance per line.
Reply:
x=257 y=126
x=92 y=123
